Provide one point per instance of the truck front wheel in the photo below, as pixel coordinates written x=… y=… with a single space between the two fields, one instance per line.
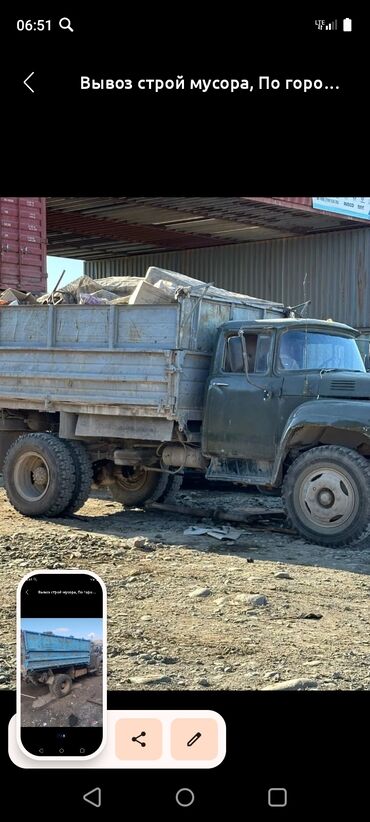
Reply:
x=62 y=685
x=326 y=494
x=137 y=486
x=39 y=475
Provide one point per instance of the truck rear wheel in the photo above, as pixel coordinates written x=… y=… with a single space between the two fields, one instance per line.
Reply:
x=139 y=486
x=62 y=685
x=83 y=477
x=174 y=483
x=39 y=475
x=326 y=494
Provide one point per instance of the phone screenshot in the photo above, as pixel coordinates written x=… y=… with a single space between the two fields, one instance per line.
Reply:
x=61 y=690
x=184 y=410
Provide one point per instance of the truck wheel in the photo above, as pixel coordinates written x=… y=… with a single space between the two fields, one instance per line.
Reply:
x=326 y=494
x=62 y=685
x=174 y=483
x=39 y=475
x=138 y=485
x=83 y=477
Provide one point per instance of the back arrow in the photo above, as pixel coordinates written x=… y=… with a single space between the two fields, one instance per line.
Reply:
x=26 y=84
x=93 y=797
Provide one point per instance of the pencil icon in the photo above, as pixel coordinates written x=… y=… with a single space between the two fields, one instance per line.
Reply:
x=194 y=739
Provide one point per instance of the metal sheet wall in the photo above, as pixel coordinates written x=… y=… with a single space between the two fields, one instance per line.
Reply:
x=23 y=243
x=332 y=270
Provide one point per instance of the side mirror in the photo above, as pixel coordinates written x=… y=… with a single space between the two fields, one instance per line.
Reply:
x=235 y=352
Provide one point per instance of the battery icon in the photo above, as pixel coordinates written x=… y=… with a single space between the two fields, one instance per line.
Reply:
x=347 y=24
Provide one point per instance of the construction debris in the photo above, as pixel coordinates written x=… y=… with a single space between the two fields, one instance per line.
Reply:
x=147 y=294
x=159 y=286
x=224 y=532
x=13 y=297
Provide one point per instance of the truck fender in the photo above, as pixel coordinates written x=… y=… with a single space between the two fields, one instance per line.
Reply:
x=307 y=423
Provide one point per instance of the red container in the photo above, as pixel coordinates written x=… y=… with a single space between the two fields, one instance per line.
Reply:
x=289 y=202
x=23 y=243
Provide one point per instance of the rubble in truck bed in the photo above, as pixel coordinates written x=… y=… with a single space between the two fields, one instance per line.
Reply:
x=159 y=286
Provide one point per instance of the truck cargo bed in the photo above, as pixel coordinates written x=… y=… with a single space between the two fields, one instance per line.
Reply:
x=136 y=361
x=42 y=651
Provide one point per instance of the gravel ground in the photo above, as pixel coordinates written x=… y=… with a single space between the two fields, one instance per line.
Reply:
x=57 y=712
x=195 y=613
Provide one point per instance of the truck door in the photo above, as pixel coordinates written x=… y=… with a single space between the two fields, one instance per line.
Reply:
x=241 y=417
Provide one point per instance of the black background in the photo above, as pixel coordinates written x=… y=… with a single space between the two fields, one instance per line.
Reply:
x=312 y=744
x=62 y=142
x=180 y=143
x=34 y=604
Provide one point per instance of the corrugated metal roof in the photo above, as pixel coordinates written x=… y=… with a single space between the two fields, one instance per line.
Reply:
x=332 y=270
x=96 y=227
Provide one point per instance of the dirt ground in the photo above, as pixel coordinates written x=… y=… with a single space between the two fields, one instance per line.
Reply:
x=183 y=612
x=58 y=712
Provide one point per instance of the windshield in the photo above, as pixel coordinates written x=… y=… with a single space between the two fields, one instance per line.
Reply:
x=312 y=350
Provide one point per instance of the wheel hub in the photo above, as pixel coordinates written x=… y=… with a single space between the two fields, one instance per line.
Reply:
x=327 y=497
x=40 y=475
x=31 y=476
x=133 y=479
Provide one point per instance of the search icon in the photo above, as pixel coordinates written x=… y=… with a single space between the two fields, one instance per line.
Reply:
x=65 y=23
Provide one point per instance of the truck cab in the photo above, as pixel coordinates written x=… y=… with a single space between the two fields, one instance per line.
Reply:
x=278 y=389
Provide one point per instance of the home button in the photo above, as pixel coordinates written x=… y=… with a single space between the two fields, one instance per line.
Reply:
x=185 y=797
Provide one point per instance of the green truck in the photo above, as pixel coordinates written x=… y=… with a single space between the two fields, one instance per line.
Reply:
x=287 y=406
x=129 y=396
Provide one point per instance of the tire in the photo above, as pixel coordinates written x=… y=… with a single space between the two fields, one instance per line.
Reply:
x=47 y=492
x=141 y=486
x=83 y=477
x=326 y=495
x=269 y=491
x=62 y=685
x=174 y=483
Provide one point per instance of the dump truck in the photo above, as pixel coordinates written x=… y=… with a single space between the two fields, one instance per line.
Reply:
x=57 y=660
x=129 y=396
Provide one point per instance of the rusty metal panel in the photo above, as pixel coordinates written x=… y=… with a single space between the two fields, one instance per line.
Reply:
x=101 y=228
x=23 y=243
x=331 y=269
x=288 y=201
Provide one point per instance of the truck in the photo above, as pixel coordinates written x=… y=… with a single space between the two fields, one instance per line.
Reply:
x=129 y=396
x=57 y=660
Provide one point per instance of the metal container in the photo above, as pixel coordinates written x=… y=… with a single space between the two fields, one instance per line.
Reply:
x=288 y=201
x=109 y=367
x=23 y=243
x=39 y=652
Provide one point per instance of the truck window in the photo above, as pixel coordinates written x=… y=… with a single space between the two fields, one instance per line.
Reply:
x=314 y=350
x=258 y=349
x=233 y=355
x=263 y=353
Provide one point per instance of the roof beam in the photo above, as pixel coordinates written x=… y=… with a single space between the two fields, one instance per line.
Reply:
x=77 y=225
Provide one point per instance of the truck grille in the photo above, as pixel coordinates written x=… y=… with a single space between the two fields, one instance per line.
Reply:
x=342 y=385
